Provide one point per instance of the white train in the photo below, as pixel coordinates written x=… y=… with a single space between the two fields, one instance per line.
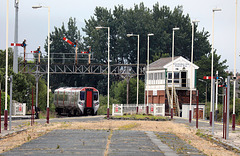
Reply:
x=76 y=100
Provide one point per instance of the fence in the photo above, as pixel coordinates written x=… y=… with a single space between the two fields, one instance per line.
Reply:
x=19 y=109
x=154 y=109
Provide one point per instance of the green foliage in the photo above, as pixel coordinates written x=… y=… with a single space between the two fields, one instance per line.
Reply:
x=119 y=91
x=103 y=100
x=205 y=70
x=3 y=102
x=22 y=84
x=140 y=20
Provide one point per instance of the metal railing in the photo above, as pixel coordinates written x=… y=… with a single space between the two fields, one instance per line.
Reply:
x=154 y=109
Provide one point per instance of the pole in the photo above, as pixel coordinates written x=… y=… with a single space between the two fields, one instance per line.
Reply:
x=227 y=111
x=172 y=74
x=48 y=65
x=0 y=107
x=213 y=102
x=15 y=56
x=206 y=95
x=197 y=110
x=147 y=71
x=32 y=118
x=6 y=77
x=10 y=107
x=224 y=108
x=212 y=70
x=211 y=109
x=234 y=82
x=108 y=69
x=137 y=72
x=190 y=109
x=216 y=108
x=37 y=78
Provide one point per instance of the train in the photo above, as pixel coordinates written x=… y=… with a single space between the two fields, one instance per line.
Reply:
x=76 y=101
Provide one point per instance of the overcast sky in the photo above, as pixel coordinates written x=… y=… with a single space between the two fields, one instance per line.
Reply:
x=33 y=23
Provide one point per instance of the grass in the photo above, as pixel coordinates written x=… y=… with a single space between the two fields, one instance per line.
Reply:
x=43 y=115
x=141 y=117
x=128 y=126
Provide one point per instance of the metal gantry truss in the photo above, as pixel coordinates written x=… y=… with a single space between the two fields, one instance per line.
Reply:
x=115 y=69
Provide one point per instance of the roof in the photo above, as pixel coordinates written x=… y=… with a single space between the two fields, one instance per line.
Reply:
x=161 y=62
x=164 y=63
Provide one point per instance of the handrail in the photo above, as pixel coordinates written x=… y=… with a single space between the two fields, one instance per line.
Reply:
x=168 y=93
x=176 y=100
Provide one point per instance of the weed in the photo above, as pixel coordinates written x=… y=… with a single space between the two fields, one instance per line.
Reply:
x=58 y=146
x=28 y=137
x=128 y=126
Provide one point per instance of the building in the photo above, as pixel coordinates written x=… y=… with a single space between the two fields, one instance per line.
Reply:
x=159 y=87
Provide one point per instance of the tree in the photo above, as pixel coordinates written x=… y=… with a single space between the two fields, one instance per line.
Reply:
x=142 y=20
x=205 y=70
x=119 y=92
x=63 y=53
x=22 y=83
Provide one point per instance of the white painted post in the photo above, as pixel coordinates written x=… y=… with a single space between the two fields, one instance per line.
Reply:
x=113 y=109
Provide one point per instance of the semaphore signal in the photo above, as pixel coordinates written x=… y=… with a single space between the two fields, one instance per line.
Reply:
x=70 y=42
x=74 y=45
x=38 y=51
x=23 y=44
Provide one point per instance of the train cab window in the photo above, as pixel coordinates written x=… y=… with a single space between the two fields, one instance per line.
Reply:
x=82 y=95
x=95 y=96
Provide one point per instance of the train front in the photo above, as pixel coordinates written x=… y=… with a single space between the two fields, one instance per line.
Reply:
x=89 y=100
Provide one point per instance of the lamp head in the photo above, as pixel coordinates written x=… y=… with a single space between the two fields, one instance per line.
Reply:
x=175 y=29
x=36 y=7
x=195 y=21
x=217 y=9
x=129 y=35
x=99 y=27
x=151 y=34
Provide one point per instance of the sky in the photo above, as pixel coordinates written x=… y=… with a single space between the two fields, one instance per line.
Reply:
x=33 y=23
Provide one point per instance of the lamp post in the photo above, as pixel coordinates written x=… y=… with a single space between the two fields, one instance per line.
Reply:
x=174 y=29
x=130 y=35
x=6 y=77
x=37 y=7
x=148 y=68
x=211 y=109
x=191 y=73
x=108 y=65
x=234 y=83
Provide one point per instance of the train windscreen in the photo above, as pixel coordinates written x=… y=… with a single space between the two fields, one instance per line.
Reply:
x=95 y=96
x=82 y=95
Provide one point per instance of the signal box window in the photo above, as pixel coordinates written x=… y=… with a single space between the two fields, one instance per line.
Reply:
x=82 y=95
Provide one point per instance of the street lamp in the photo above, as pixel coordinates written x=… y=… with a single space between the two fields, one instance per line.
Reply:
x=174 y=29
x=148 y=68
x=108 y=65
x=235 y=71
x=191 y=73
x=6 y=78
x=130 y=35
x=211 y=109
x=37 y=7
